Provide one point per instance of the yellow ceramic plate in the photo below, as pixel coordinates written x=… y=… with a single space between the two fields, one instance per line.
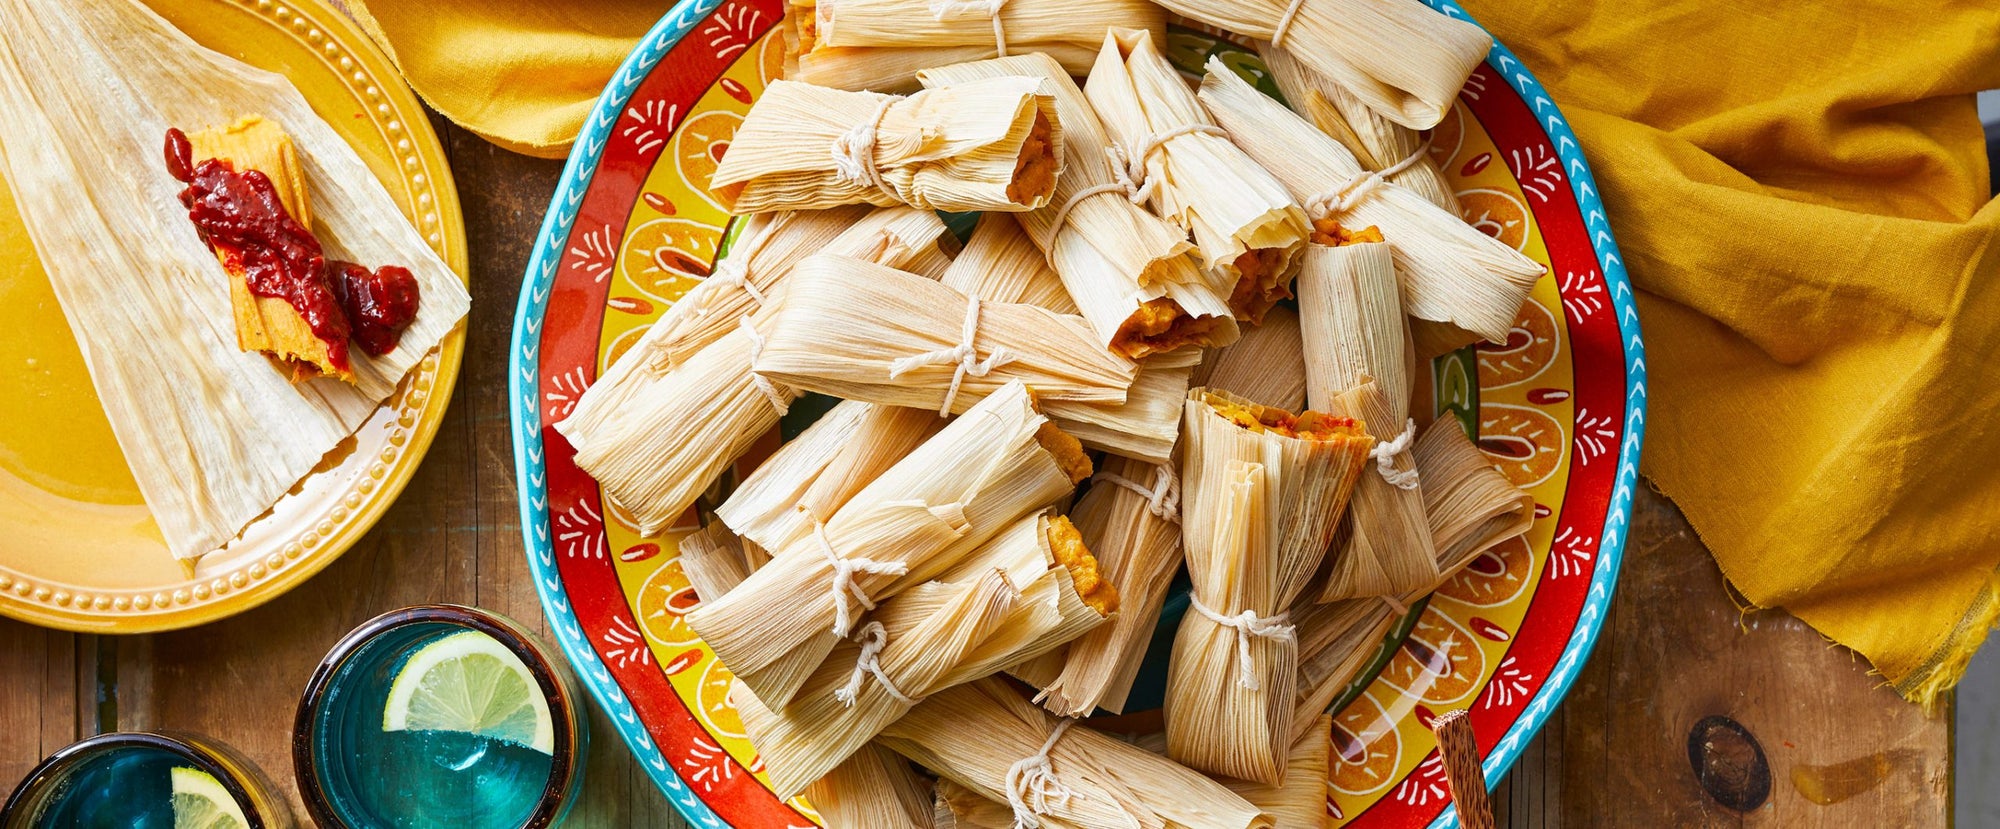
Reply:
x=80 y=550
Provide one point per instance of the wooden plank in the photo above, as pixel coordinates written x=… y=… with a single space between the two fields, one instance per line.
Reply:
x=1675 y=650
x=41 y=709
x=453 y=536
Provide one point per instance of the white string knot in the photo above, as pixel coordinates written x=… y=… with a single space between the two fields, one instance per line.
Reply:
x=940 y=9
x=734 y=272
x=1385 y=452
x=854 y=150
x=1408 y=161
x=1341 y=199
x=873 y=638
x=845 y=588
x=1285 y=23
x=1249 y=625
x=1163 y=498
x=964 y=355
x=1032 y=783
x=1128 y=165
x=764 y=385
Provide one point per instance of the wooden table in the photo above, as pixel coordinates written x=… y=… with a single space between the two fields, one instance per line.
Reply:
x=1675 y=649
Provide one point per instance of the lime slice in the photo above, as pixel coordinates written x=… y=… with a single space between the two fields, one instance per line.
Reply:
x=200 y=802
x=470 y=683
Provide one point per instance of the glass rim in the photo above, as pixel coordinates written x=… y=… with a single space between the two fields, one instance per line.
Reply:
x=567 y=764
x=207 y=755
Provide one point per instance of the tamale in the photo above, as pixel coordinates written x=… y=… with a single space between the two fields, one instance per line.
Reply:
x=1401 y=59
x=1358 y=363
x=816 y=472
x=1127 y=270
x=992 y=145
x=1030 y=589
x=1264 y=491
x=1267 y=366
x=997 y=747
x=997 y=462
x=1130 y=520
x=213 y=435
x=1470 y=507
x=882 y=44
x=1448 y=271
x=1245 y=225
x=1381 y=145
x=713 y=560
x=1299 y=801
x=656 y=432
x=861 y=331
x=265 y=324
x=875 y=788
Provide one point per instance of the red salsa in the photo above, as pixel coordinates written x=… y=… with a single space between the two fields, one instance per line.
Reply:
x=239 y=215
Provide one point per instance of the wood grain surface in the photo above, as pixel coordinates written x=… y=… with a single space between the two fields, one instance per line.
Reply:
x=1675 y=649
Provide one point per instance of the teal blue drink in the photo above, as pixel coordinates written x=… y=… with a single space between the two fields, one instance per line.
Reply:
x=143 y=781
x=439 y=717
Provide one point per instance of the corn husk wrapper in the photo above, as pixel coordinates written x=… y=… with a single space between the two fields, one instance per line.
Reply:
x=213 y=435
x=992 y=145
x=875 y=788
x=1358 y=363
x=1300 y=800
x=1010 y=600
x=999 y=461
x=656 y=432
x=1267 y=366
x=882 y=44
x=1126 y=269
x=1245 y=225
x=860 y=331
x=714 y=560
x=1259 y=509
x=1470 y=507
x=1138 y=547
x=973 y=734
x=1448 y=271
x=816 y=472
x=1377 y=142
x=1400 y=58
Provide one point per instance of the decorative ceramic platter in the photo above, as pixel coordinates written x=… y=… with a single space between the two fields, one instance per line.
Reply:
x=81 y=550
x=1558 y=407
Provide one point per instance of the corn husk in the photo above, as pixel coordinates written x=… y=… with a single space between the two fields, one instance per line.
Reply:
x=1245 y=225
x=1137 y=542
x=973 y=734
x=1001 y=264
x=1470 y=507
x=998 y=462
x=1012 y=599
x=1259 y=509
x=213 y=435
x=714 y=560
x=875 y=788
x=816 y=472
x=682 y=405
x=1401 y=59
x=1377 y=142
x=992 y=145
x=882 y=44
x=1447 y=270
x=860 y=331
x=1126 y=269
x=1299 y=801
x=1267 y=366
x=1358 y=363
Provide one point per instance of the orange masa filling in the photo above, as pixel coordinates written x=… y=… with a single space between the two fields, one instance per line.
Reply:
x=1330 y=232
x=1306 y=425
x=1067 y=545
x=1161 y=325
x=1257 y=284
x=1067 y=451
x=1035 y=168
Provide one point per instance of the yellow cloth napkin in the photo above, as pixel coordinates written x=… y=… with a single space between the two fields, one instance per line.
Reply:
x=520 y=73
x=1801 y=194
